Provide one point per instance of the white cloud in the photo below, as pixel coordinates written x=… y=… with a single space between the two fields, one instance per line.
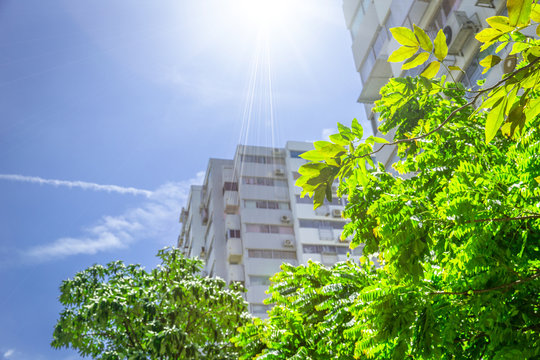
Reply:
x=327 y=132
x=8 y=353
x=76 y=184
x=156 y=218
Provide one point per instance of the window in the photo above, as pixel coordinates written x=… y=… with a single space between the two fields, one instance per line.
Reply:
x=260 y=308
x=321 y=224
x=269 y=229
x=271 y=254
x=230 y=186
x=261 y=159
x=335 y=201
x=296 y=154
x=259 y=280
x=267 y=204
x=251 y=180
x=319 y=249
x=233 y=233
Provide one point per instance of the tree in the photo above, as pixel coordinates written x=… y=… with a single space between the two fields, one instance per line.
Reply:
x=455 y=223
x=121 y=311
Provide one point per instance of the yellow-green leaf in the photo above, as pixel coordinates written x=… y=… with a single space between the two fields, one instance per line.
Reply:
x=538 y=30
x=488 y=35
x=501 y=46
x=537 y=179
x=515 y=120
x=535 y=13
x=453 y=67
x=519 y=47
x=493 y=99
x=404 y=36
x=423 y=38
x=402 y=53
x=495 y=118
x=441 y=49
x=518 y=11
x=431 y=70
x=416 y=61
x=489 y=61
x=532 y=109
x=500 y=23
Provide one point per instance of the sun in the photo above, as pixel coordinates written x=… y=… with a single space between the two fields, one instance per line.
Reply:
x=266 y=14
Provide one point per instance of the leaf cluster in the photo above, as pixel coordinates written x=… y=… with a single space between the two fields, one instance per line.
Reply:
x=121 y=311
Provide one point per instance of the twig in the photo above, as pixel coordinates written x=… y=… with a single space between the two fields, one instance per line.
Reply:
x=453 y=113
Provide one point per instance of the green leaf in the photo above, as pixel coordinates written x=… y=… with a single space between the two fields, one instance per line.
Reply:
x=501 y=46
x=416 y=61
x=313 y=155
x=338 y=139
x=500 y=23
x=535 y=13
x=489 y=61
x=357 y=129
x=441 y=49
x=519 y=47
x=518 y=11
x=404 y=36
x=515 y=121
x=402 y=53
x=495 y=118
x=537 y=179
x=453 y=67
x=488 y=35
x=423 y=38
x=431 y=70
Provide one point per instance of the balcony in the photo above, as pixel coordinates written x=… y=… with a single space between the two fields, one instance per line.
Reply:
x=231 y=202
x=375 y=70
x=234 y=250
x=236 y=273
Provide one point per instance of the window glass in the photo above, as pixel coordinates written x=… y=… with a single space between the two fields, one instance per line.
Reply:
x=259 y=280
x=260 y=308
x=296 y=154
x=321 y=224
x=230 y=186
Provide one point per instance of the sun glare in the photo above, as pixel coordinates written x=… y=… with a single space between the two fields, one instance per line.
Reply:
x=267 y=14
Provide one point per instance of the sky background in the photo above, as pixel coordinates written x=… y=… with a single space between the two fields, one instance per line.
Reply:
x=110 y=110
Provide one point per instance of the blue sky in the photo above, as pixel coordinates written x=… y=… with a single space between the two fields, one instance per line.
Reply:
x=109 y=110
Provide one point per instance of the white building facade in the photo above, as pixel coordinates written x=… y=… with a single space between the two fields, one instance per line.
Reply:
x=369 y=22
x=248 y=218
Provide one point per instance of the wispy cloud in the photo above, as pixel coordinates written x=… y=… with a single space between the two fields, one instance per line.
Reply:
x=155 y=218
x=9 y=353
x=76 y=184
x=327 y=132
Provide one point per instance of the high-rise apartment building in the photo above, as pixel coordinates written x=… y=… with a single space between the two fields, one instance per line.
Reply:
x=248 y=218
x=369 y=22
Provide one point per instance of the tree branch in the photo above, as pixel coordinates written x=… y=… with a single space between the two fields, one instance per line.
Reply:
x=453 y=113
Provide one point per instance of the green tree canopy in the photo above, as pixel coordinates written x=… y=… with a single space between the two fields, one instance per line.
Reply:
x=455 y=223
x=121 y=311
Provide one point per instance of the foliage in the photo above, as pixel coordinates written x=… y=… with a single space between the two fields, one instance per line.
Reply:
x=121 y=311
x=455 y=223
x=311 y=316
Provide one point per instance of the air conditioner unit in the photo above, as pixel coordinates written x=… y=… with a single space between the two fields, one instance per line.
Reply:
x=279 y=172
x=509 y=63
x=285 y=219
x=336 y=213
x=459 y=30
x=288 y=243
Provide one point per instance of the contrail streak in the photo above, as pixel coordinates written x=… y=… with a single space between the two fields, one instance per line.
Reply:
x=77 y=184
